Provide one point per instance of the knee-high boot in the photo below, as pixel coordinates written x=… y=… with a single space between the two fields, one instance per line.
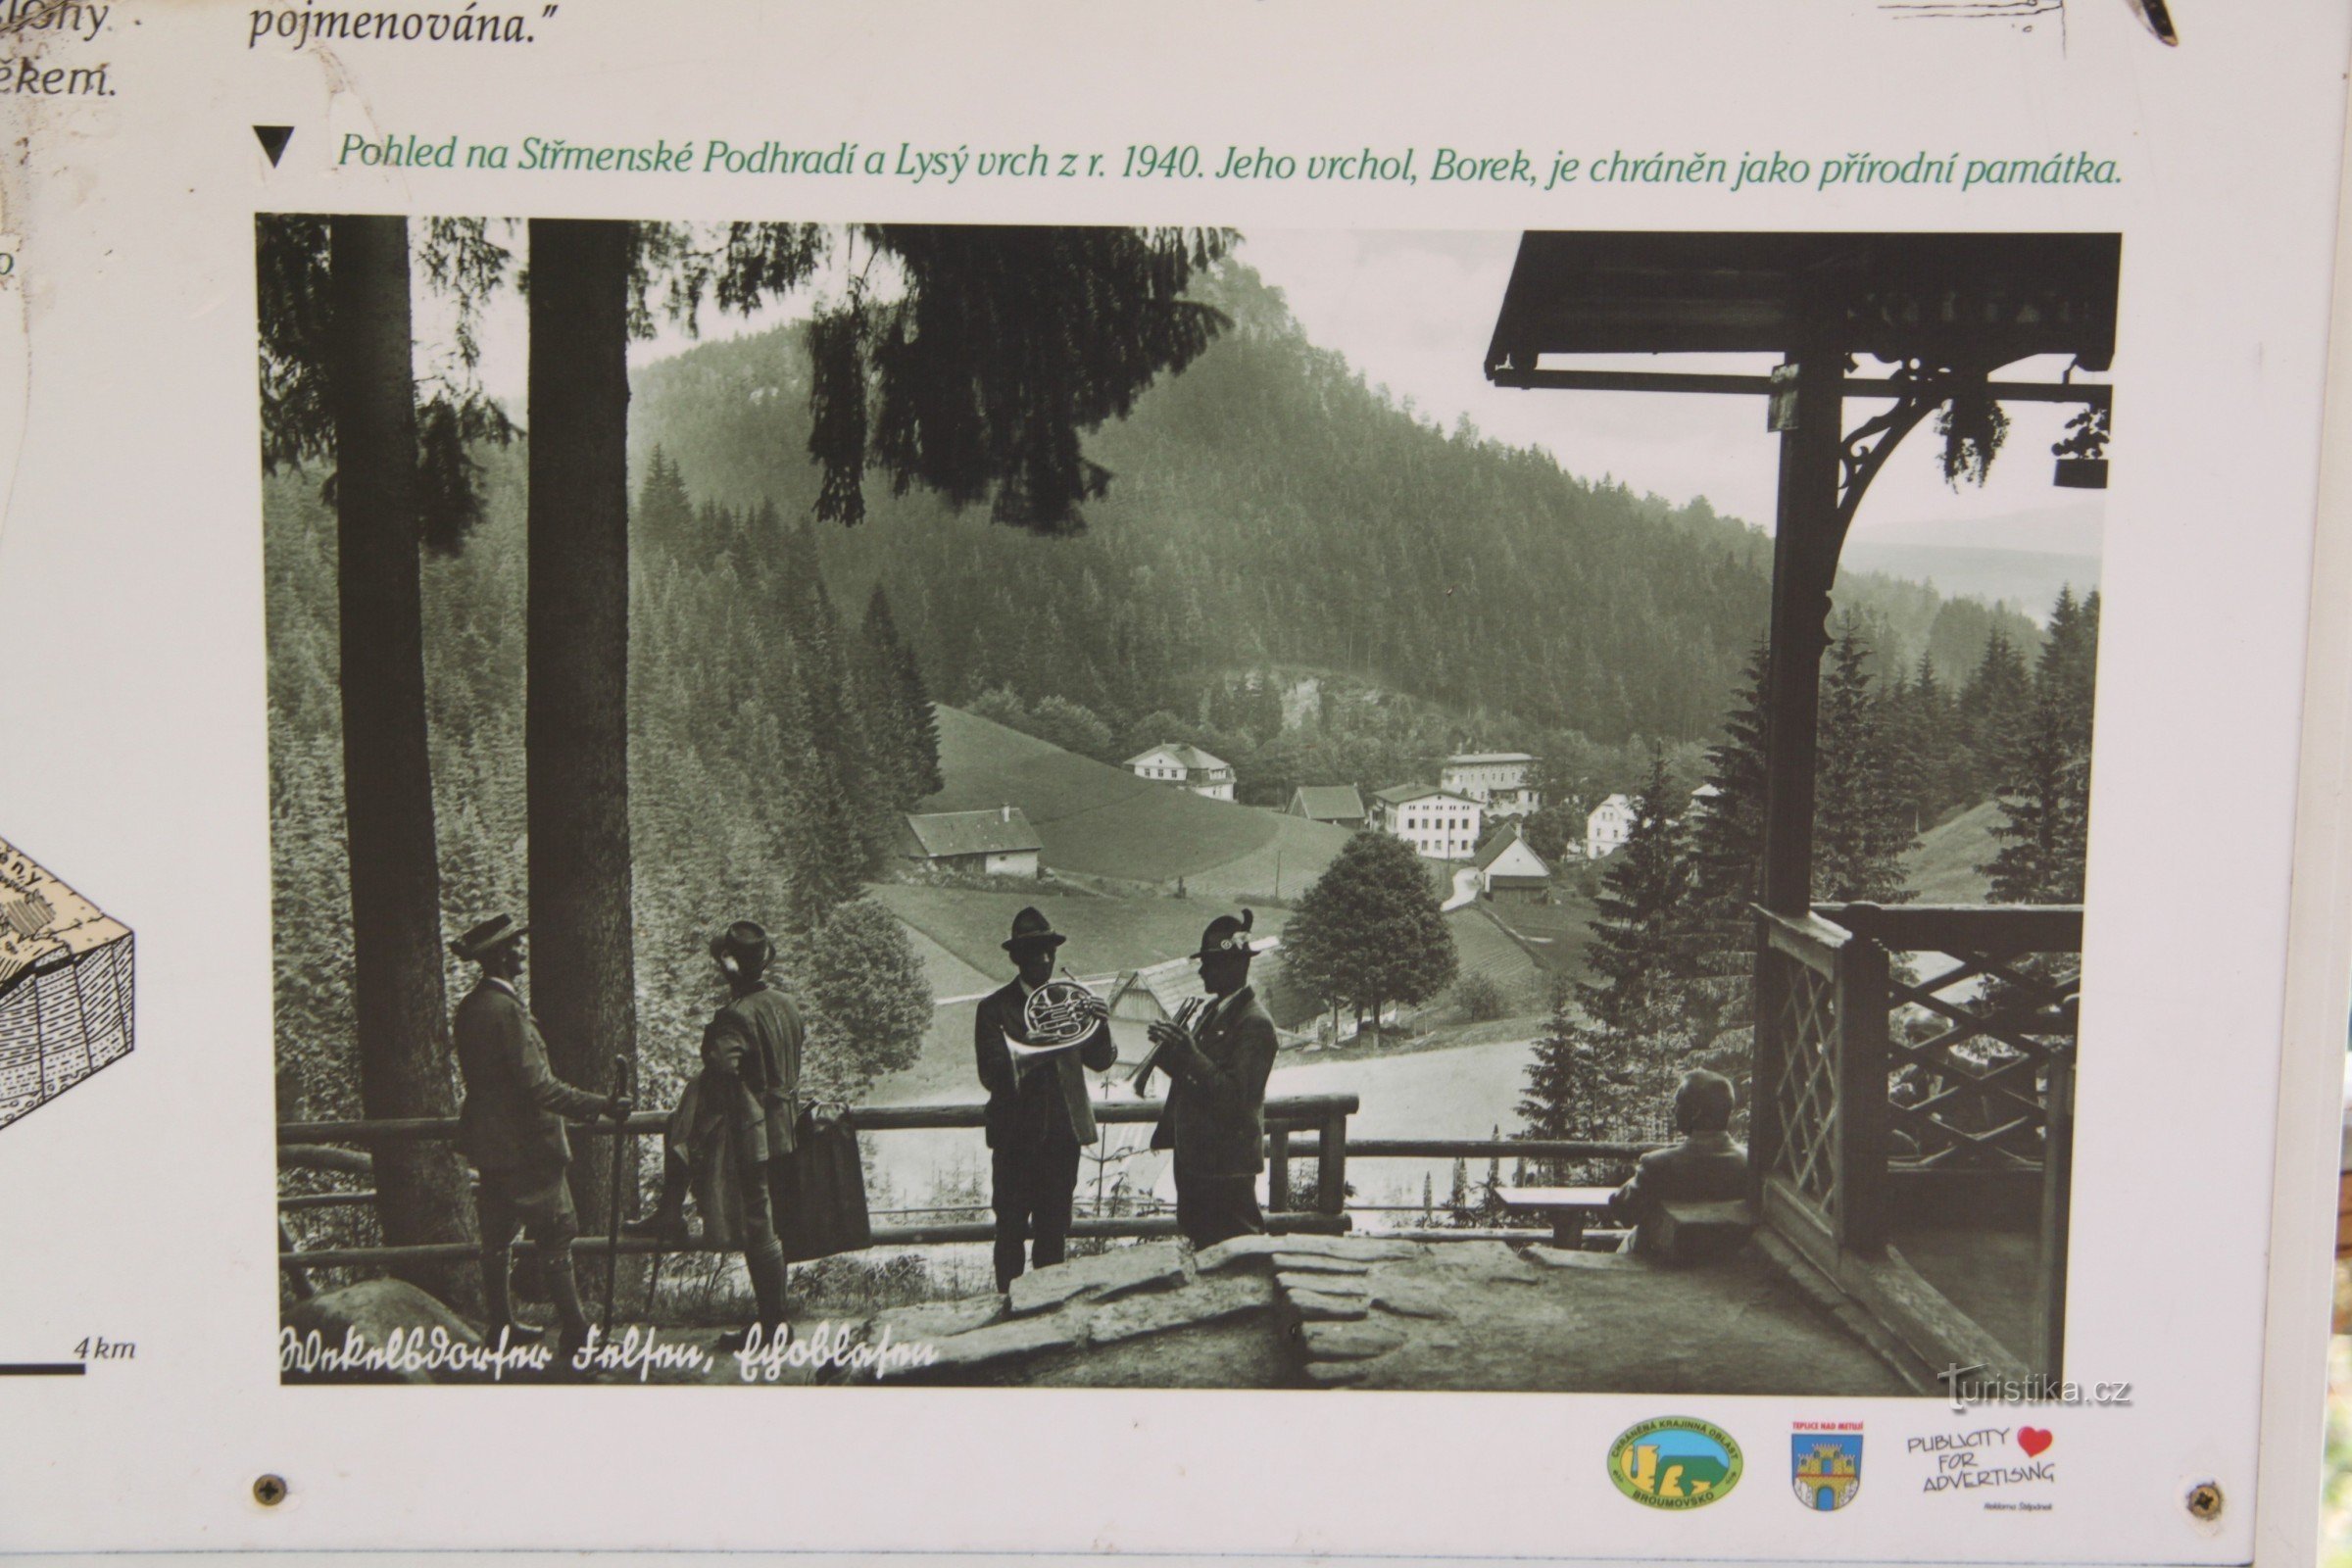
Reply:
x=564 y=1290
x=497 y=1310
x=766 y=1265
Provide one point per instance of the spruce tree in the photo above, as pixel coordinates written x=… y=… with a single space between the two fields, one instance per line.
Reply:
x=2044 y=770
x=1861 y=819
x=903 y=705
x=1726 y=834
x=1638 y=946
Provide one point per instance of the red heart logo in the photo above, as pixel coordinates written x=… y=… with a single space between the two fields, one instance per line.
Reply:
x=2032 y=1440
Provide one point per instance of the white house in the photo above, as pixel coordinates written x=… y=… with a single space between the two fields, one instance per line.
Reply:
x=1503 y=782
x=1437 y=822
x=998 y=843
x=1608 y=827
x=1185 y=767
x=1509 y=870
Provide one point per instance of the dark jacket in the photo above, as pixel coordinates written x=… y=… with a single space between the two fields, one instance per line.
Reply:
x=512 y=1117
x=1051 y=1094
x=1216 y=1113
x=1703 y=1168
x=748 y=1088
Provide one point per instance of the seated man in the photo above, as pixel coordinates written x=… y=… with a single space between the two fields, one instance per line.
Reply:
x=1705 y=1167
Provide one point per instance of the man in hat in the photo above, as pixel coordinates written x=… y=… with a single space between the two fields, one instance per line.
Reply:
x=1705 y=1167
x=1215 y=1118
x=1040 y=1113
x=736 y=1117
x=511 y=1125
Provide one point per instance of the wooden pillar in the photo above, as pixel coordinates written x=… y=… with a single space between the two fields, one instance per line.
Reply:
x=1804 y=563
x=1278 y=1167
x=1331 y=1168
x=2057 y=1207
x=1860 y=1151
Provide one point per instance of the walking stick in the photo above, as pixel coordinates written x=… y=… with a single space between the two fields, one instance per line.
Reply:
x=620 y=1144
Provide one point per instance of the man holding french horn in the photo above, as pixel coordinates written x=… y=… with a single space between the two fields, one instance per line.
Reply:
x=1033 y=1042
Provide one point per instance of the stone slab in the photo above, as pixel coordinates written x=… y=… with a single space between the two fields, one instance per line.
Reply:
x=1320 y=1307
x=1324 y=1284
x=1407 y=1296
x=1013 y=1338
x=1571 y=1258
x=1154 y=1265
x=1206 y=1301
x=1240 y=1250
x=1349 y=1342
x=1319 y=1263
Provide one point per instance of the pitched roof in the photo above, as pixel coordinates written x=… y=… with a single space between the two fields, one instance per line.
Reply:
x=1180 y=753
x=1499 y=843
x=1468 y=757
x=1003 y=831
x=1400 y=794
x=1329 y=803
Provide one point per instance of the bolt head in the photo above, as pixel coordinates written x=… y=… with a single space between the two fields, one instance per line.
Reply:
x=270 y=1491
x=2205 y=1501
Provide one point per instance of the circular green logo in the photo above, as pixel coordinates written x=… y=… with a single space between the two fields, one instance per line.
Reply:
x=1673 y=1462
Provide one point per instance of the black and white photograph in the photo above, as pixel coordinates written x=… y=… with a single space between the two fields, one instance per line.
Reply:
x=1178 y=808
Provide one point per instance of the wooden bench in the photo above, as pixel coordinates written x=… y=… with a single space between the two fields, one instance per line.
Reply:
x=1567 y=1207
x=1689 y=1233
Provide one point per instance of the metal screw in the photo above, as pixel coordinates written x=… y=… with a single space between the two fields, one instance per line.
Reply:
x=2205 y=1501
x=270 y=1491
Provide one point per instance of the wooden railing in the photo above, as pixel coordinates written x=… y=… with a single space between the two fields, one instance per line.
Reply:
x=1916 y=1061
x=1324 y=1115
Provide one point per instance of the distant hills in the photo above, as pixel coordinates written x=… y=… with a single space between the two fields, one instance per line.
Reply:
x=2025 y=580
x=1269 y=509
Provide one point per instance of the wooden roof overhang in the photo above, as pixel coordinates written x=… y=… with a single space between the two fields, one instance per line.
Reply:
x=1943 y=311
x=1970 y=302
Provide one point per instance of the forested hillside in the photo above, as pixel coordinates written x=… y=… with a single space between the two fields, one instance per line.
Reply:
x=1269 y=509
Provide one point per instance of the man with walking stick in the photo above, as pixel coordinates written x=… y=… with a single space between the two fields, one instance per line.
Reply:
x=511 y=1125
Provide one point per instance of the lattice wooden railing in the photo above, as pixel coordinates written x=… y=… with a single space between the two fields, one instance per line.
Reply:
x=1819 y=1117
x=1982 y=1013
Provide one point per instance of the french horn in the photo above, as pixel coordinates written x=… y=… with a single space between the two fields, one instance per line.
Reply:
x=1059 y=1012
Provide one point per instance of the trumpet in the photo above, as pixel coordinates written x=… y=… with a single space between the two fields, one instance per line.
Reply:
x=1188 y=1011
x=1060 y=1013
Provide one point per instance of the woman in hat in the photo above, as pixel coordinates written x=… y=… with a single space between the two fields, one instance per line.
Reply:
x=734 y=1118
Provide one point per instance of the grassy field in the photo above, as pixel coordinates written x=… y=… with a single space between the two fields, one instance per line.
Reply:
x=1102 y=821
x=949 y=975
x=1944 y=869
x=1485 y=949
x=1557 y=931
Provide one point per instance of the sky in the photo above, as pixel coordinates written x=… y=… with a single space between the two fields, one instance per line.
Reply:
x=1414 y=311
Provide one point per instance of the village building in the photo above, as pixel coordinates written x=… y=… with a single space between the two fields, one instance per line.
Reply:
x=1185 y=767
x=1608 y=827
x=1503 y=782
x=1438 y=822
x=1336 y=804
x=1510 y=871
x=994 y=843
